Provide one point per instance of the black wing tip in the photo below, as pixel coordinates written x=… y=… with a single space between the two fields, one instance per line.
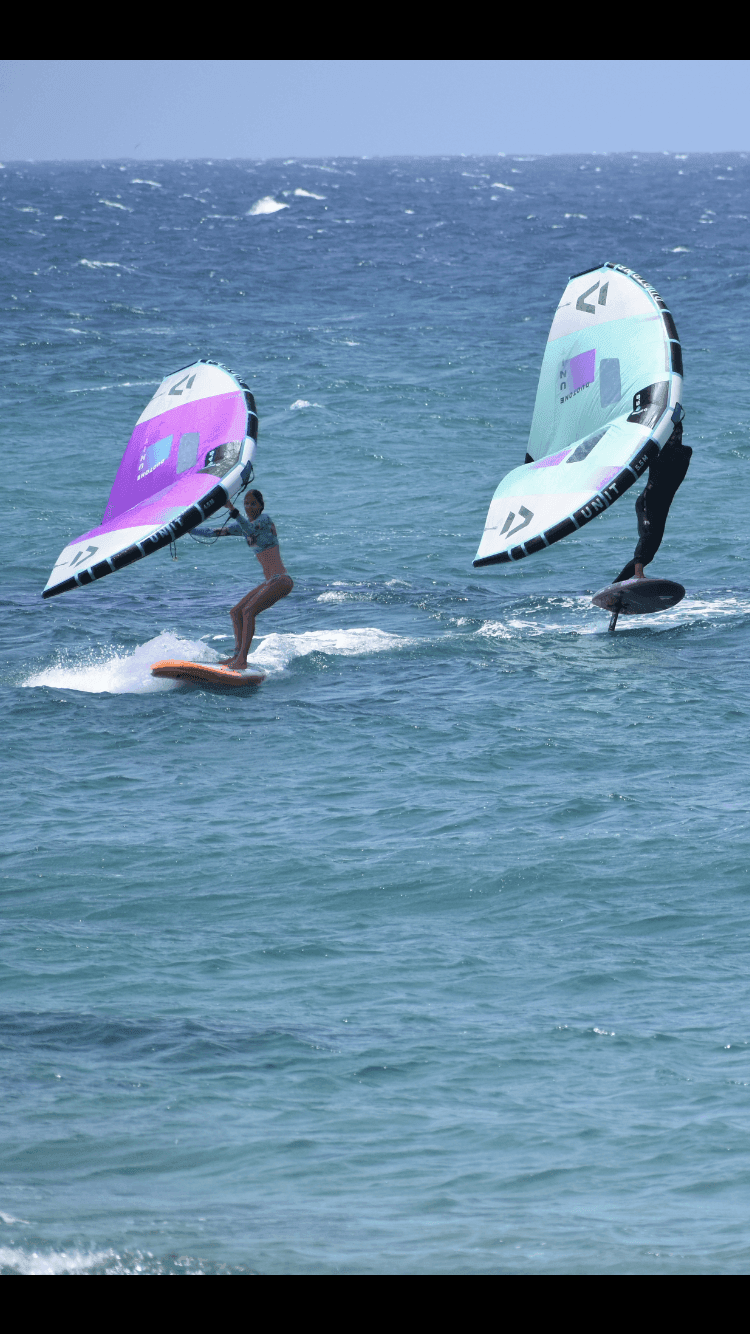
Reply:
x=574 y=522
x=210 y=503
x=594 y=269
x=207 y=361
x=65 y=587
x=500 y=559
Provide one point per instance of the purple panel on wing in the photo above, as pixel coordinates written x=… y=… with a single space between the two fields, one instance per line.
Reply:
x=157 y=510
x=150 y=462
x=582 y=369
x=603 y=476
x=552 y=459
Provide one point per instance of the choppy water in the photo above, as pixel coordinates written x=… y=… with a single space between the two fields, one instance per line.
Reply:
x=431 y=954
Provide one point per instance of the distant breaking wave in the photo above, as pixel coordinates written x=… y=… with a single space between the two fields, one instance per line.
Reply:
x=265 y=205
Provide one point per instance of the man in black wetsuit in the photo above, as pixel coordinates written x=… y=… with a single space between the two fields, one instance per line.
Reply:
x=652 y=506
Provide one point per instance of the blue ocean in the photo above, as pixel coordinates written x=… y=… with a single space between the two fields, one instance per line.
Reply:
x=430 y=954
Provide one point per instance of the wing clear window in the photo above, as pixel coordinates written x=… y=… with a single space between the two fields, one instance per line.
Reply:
x=610 y=388
x=187 y=452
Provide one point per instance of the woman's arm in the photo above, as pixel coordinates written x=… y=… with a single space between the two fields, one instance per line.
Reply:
x=229 y=530
x=243 y=525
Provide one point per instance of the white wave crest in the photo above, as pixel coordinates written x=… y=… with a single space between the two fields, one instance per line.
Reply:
x=111 y=203
x=156 y=184
x=265 y=205
x=576 y=615
x=276 y=652
x=308 y=194
x=15 y=1260
x=121 y=673
x=694 y=610
x=130 y=673
x=100 y=264
x=495 y=630
x=302 y=403
x=126 y=384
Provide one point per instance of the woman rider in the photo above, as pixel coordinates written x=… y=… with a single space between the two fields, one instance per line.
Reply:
x=260 y=531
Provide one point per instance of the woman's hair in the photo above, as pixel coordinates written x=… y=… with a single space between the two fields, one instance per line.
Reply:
x=259 y=499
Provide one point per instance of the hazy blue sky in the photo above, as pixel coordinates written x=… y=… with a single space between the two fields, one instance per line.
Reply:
x=53 y=109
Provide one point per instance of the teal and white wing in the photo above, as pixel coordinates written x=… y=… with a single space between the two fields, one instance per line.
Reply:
x=609 y=395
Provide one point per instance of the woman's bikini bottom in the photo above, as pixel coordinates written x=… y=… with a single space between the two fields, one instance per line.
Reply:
x=270 y=591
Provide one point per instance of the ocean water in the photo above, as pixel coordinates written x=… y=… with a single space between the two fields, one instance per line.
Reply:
x=431 y=953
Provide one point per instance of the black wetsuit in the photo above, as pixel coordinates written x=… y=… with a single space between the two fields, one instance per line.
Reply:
x=652 y=506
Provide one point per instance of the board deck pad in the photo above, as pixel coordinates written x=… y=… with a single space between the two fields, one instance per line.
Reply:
x=639 y=597
x=205 y=674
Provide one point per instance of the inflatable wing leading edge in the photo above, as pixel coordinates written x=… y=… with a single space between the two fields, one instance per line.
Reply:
x=609 y=397
x=191 y=450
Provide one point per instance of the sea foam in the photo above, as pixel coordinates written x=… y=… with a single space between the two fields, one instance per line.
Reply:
x=16 y=1260
x=123 y=673
x=265 y=205
x=276 y=652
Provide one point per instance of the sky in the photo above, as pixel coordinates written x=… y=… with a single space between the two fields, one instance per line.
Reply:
x=156 y=109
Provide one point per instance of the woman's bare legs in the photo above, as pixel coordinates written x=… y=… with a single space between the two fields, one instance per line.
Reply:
x=246 y=611
x=239 y=661
x=236 y=618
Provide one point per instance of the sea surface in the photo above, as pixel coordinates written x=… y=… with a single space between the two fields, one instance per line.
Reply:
x=431 y=954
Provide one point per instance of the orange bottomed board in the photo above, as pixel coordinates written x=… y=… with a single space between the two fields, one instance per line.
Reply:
x=205 y=674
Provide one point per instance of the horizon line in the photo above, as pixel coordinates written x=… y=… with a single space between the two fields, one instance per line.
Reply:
x=384 y=157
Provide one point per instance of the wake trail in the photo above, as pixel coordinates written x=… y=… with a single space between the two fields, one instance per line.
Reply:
x=129 y=673
x=576 y=615
x=122 y=672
